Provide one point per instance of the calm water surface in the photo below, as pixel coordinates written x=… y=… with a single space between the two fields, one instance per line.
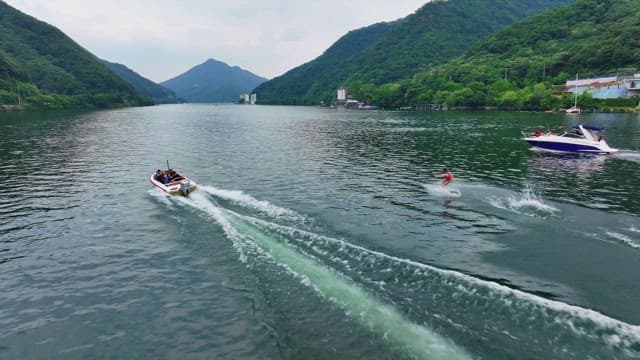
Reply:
x=315 y=234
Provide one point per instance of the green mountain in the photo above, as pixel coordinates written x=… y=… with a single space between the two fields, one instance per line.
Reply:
x=213 y=81
x=50 y=70
x=434 y=34
x=143 y=86
x=517 y=67
x=319 y=78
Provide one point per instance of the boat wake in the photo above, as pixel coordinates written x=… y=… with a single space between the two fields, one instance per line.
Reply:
x=628 y=155
x=240 y=198
x=442 y=191
x=625 y=239
x=421 y=310
x=527 y=202
x=252 y=242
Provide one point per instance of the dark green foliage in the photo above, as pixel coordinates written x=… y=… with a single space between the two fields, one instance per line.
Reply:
x=35 y=53
x=318 y=80
x=142 y=85
x=516 y=68
x=213 y=81
x=392 y=53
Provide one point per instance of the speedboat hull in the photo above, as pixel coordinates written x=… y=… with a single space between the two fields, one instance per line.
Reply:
x=582 y=139
x=572 y=147
x=181 y=186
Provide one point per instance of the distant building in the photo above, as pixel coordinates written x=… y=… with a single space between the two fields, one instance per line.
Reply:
x=342 y=94
x=592 y=82
x=606 y=87
x=633 y=85
x=248 y=99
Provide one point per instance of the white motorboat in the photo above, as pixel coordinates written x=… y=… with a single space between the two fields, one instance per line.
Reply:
x=579 y=139
x=573 y=110
x=172 y=183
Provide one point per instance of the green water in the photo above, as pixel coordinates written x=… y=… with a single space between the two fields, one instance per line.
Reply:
x=316 y=233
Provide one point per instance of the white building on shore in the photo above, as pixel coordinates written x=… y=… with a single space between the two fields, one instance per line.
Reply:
x=607 y=87
x=248 y=99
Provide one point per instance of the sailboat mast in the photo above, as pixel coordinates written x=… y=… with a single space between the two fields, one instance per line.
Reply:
x=575 y=101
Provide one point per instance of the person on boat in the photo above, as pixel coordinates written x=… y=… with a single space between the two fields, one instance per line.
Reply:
x=537 y=133
x=446 y=175
x=158 y=175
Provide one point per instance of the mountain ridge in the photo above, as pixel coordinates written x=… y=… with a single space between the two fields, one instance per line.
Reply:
x=213 y=81
x=143 y=86
x=525 y=65
x=428 y=37
x=302 y=80
x=50 y=70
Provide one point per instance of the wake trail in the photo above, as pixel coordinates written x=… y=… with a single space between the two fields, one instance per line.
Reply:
x=383 y=319
x=527 y=202
x=442 y=191
x=502 y=305
x=628 y=155
x=624 y=239
x=240 y=198
x=335 y=268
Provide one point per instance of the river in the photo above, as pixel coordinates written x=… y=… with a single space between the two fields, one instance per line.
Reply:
x=316 y=233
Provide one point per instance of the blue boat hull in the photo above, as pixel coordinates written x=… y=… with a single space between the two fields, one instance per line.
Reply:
x=565 y=147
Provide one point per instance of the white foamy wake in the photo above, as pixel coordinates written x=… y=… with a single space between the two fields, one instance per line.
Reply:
x=240 y=198
x=246 y=232
x=200 y=202
x=613 y=332
x=628 y=155
x=442 y=191
x=383 y=319
x=623 y=239
x=160 y=195
x=525 y=203
x=407 y=129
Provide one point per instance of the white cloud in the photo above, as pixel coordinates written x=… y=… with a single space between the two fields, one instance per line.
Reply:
x=160 y=38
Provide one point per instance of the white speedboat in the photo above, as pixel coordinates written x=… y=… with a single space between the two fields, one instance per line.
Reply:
x=172 y=183
x=579 y=139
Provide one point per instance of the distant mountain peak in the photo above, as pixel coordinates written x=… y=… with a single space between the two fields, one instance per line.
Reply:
x=213 y=81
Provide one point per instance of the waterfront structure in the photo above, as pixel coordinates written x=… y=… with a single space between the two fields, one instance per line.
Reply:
x=633 y=85
x=606 y=87
x=248 y=99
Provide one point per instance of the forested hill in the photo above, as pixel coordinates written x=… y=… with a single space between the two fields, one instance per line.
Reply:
x=517 y=67
x=142 y=85
x=213 y=81
x=317 y=79
x=50 y=70
x=434 y=34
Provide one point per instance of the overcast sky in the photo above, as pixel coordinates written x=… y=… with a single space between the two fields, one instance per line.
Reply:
x=161 y=39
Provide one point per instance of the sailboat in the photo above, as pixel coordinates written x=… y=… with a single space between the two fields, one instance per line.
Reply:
x=574 y=109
